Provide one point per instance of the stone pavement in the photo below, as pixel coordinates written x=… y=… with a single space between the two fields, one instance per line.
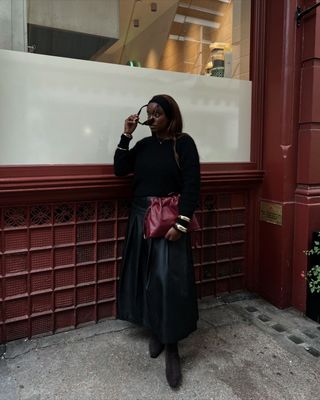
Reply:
x=244 y=349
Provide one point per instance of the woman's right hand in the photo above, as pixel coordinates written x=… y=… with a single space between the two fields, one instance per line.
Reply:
x=131 y=123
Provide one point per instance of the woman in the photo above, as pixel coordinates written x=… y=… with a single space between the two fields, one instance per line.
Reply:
x=157 y=286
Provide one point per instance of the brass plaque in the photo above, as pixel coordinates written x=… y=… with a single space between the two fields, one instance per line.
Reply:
x=271 y=212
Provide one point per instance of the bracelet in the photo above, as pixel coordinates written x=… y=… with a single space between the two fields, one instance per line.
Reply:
x=180 y=228
x=184 y=218
x=128 y=135
x=182 y=222
x=121 y=148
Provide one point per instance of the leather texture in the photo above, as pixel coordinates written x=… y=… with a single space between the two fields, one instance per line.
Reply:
x=173 y=368
x=161 y=216
x=157 y=286
x=155 y=346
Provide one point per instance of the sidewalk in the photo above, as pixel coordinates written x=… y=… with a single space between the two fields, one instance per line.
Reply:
x=244 y=349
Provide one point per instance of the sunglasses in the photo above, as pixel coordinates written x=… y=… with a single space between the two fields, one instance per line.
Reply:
x=148 y=121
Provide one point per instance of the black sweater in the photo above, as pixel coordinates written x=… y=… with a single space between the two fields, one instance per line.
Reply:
x=156 y=172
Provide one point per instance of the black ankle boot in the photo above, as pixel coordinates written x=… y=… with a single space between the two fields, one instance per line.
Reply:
x=173 y=369
x=155 y=346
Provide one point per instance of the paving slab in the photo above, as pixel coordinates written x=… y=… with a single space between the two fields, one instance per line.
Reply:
x=234 y=355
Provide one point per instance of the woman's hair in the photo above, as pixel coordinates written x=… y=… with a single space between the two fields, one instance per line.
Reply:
x=174 y=116
x=172 y=111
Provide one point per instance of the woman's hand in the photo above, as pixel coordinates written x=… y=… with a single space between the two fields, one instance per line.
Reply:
x=131 y=123
x=173 y=234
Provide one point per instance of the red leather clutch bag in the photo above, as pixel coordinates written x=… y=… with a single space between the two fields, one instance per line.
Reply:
x=161 y=216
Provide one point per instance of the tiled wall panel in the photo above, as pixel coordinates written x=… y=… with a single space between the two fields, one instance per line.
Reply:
x=59 y=263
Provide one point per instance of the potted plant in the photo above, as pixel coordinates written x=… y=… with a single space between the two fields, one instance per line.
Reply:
x=313 y=279
x=313 y=274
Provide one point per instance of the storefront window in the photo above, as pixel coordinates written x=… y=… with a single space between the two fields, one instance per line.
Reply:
x=188 y=49
x=204 y=37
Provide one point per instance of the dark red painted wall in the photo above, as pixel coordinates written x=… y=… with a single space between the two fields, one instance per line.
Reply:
x=281 y=95
x=291 y=148
x=307 y=210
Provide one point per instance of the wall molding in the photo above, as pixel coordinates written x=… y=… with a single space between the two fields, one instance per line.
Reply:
x=307 y=191
x=49 y=183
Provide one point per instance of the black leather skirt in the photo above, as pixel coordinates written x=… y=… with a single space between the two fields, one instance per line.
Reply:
x=157 y=286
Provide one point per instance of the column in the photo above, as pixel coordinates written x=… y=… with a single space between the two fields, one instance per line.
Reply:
x=307 y=211
x=13 y=25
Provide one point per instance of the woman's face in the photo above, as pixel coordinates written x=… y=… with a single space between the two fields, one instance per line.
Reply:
x=160 y=121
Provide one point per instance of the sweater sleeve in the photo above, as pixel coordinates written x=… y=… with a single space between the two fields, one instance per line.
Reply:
x=123 y=162
x=190 y=170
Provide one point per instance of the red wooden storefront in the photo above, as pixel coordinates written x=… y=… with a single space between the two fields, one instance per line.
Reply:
x=63 y=226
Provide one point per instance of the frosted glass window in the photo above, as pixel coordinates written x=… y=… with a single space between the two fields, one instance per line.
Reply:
x=56 y=110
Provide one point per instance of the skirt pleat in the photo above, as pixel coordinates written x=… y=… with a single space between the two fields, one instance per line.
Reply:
x=157 y=286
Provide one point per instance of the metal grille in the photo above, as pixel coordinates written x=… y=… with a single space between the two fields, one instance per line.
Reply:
x=59 y=263
x=220 y=254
